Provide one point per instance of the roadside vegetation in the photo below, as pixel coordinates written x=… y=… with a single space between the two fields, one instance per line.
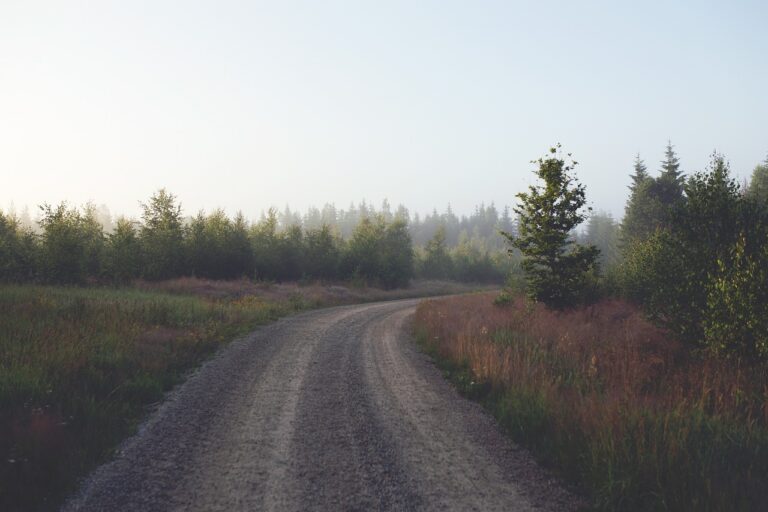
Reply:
x=79 y=366
x=610 y=401
x=99 y=317
x=631 y=356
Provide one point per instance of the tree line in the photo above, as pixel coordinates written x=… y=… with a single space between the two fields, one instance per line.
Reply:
x=85 y=245
x=692 y=250
x=73 y=248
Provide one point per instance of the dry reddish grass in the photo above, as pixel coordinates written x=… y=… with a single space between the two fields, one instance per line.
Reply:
x=636 y=417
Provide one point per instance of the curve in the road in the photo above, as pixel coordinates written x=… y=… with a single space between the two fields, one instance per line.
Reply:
x=329 y=410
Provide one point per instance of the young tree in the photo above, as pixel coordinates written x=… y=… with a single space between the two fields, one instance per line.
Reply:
x=637 y=223
x=123 y=252
x=670 y=167
x=437 y=262
x=71 y=244
x=323 y=253
x=240 y=250
x=162 y=237
x=666 y=191
x=556 y=268
x=671 y=272
x=265 y=241
x=396 y=266
x=653 y=201
x=380 y=253
x=17 y=250
x=292 y=253
x=363 y=255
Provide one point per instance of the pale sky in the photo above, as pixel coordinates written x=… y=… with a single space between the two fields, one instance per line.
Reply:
x=244 y=105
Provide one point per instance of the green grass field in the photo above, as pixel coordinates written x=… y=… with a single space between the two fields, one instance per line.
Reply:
x=78 y=368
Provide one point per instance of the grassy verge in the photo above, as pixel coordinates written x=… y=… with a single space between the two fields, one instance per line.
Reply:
x=78 y=366
x=610 y=401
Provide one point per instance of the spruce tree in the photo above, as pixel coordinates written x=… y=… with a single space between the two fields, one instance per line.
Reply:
x=640 y=175
x=556 y=268
x=670 y=166
x=637 y=223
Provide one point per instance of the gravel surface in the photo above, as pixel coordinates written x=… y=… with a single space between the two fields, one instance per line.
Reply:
x=334 y=409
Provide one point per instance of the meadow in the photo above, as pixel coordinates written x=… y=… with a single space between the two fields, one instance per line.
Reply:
x=613 y=403
x=80 y=367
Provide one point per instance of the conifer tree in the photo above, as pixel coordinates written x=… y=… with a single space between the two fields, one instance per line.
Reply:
x=758 y=183
x=670 y=166
x=162 y=236
x=637 y=223
x=556 y=268
x=640 y=175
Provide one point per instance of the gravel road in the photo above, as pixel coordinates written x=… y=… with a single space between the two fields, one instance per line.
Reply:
x=334 y=409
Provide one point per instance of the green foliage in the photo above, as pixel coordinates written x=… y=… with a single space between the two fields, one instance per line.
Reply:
x=323 y=249
x=267 y=244
x=477 y=265
x=670 y=172
x=652 y=201
x=123 y=252
x=79 y=367
x=87 y=245
x=758 y=183
x=650 y=275
x=217 y=247
x=380 y=253
x=736 y=317
x=162 y=237
x=556 y=268
x=703 y=276
x=436 y=262
x=603 y=232
x=71 y=244
x=292 y=253
x=17 y=250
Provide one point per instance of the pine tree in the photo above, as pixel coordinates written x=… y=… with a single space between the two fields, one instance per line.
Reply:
x=637 y=223
x=670 y=166
x=556 y=268
x=641 y=174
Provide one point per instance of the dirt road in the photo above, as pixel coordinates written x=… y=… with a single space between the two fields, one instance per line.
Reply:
x=330 y=410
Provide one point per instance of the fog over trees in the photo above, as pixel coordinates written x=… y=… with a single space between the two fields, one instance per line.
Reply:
x=692 y=250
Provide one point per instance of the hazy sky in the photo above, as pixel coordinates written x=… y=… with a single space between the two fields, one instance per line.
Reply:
x=244 y=105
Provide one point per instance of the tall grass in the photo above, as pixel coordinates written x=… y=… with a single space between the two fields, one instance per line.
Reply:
x=633 y=417
x=78 y=367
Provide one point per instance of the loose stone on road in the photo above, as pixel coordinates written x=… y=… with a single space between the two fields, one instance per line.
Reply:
x=334 y=409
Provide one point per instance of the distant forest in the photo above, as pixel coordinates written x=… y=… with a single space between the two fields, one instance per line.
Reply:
x=381 y=246
x=369 y=245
